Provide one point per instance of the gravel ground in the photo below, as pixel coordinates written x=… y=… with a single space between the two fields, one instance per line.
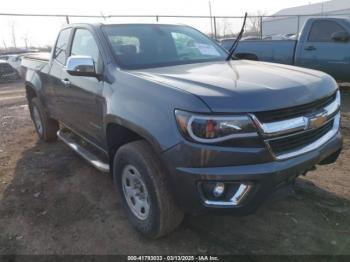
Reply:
x=52 y=202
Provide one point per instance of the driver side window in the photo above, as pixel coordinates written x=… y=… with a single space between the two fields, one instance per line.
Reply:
x=84 y=44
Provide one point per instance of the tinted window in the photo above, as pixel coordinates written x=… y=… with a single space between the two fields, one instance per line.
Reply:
x=125 y=44
x=61 y=46
x=84 y=44
x=142 y=46
x=322 y=31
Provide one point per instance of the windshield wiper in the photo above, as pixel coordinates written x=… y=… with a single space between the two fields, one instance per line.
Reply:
x=235 y=43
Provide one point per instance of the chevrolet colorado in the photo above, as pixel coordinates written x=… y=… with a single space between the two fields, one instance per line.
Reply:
x=323 y=44
x=181 y=128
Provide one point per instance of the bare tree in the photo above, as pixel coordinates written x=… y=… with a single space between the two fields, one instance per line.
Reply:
x=4 y=43
x=26 y=40
x=255 y=22
x=13 y=34
x=224 y=28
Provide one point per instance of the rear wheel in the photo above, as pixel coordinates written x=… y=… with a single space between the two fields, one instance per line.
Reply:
x=144 y=189
x=45 y=126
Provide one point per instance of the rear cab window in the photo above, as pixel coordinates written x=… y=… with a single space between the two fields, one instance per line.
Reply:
x=60 y=52
x=322 y=31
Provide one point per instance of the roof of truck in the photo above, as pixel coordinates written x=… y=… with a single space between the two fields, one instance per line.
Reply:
x=113 y=23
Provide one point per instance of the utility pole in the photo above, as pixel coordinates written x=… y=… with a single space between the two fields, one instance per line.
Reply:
x=211 y=18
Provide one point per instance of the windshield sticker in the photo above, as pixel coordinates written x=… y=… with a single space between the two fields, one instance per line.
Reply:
x=207 y=50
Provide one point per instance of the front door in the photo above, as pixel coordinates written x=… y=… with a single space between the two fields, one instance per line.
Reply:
x=319 y=51
x=82 y=96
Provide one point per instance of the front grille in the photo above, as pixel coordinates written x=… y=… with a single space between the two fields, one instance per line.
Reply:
x=294 y=142
x=292 y=112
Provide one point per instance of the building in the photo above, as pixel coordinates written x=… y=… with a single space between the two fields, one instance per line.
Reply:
x=291 y=20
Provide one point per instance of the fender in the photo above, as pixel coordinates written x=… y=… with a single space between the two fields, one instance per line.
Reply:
x=113 y=119
x=148 y=108
x=32 y=78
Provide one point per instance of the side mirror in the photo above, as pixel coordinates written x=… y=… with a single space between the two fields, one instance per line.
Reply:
x=81 y=66
x=341 y=36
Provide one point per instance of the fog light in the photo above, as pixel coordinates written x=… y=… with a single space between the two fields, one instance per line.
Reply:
x=219 y=189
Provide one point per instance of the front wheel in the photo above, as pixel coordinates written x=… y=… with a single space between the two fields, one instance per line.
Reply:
x=144 y=189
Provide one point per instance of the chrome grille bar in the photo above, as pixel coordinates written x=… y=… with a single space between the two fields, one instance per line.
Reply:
x=296 y=124
x=280 y=129
x=314 y=145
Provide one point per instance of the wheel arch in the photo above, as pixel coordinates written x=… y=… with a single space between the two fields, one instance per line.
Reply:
x=31 y=91
x=120 y=132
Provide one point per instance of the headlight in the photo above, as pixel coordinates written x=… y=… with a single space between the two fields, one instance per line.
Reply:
x=214 y=129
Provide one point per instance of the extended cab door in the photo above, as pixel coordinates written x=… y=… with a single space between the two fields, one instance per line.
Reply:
x=318 y=50
x=53 y=86
x=82 y=97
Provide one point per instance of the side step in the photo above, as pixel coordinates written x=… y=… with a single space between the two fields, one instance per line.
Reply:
x=90 y=157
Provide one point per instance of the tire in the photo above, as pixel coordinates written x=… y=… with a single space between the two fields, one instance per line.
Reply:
x=163 y=215
x=45 y=126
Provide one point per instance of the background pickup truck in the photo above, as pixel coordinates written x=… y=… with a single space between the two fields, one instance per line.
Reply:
x=7 y=73
x=181 y=127
x=323 y=44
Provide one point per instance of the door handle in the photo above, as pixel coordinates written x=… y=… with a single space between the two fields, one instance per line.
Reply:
x=310 y=48
x=65 y=82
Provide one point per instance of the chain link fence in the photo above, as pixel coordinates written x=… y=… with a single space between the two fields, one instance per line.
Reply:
x=38 y=30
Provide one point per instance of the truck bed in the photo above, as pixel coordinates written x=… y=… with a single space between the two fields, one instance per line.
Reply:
x=38 y=56
x=36 y=61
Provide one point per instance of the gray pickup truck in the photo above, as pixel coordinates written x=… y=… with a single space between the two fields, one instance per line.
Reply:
x=181 y=128
x=323 y=44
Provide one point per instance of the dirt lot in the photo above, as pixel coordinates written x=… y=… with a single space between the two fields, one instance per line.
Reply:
x=53 y=202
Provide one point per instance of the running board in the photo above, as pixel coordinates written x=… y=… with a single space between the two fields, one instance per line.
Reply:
x=90 y=157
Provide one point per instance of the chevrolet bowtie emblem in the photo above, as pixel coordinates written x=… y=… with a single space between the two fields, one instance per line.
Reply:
x=318 y=120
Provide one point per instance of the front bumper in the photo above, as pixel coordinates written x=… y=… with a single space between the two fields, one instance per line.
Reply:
x=263 y=173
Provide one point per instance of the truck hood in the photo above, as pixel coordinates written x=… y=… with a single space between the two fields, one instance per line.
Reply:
x=244 y=86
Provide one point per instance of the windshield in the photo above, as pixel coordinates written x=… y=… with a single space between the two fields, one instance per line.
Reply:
x=144 y=46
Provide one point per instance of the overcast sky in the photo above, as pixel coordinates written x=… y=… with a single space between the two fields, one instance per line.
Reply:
x=41 y=31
